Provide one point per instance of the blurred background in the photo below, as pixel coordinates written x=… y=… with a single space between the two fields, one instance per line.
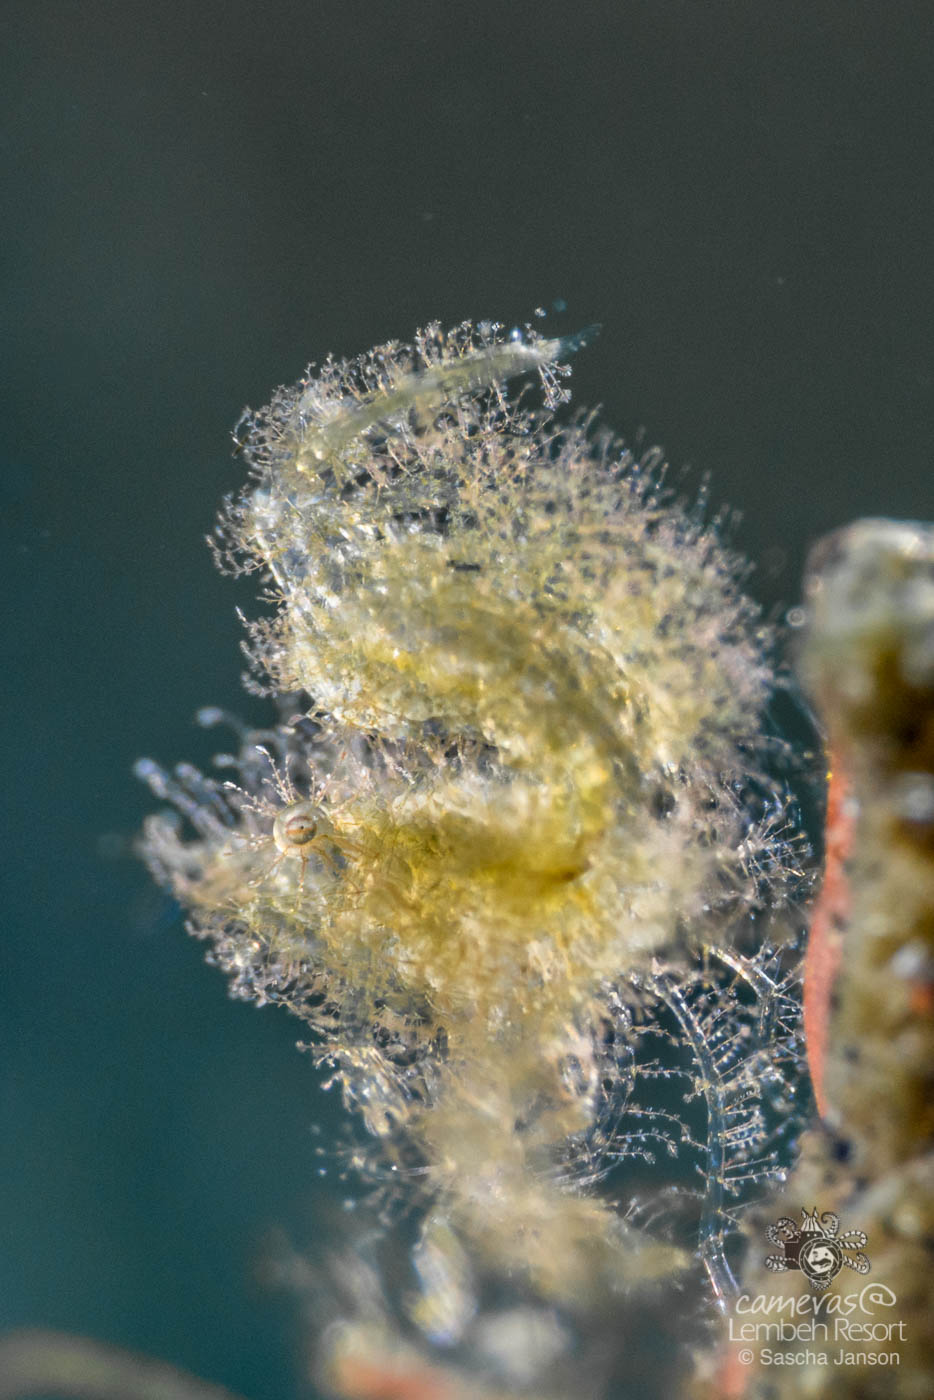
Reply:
x=198 y=200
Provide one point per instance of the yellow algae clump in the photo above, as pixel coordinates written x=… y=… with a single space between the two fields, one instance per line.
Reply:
x=523 y=822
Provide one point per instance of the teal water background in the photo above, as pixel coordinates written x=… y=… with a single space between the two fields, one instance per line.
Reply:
x=197 y=201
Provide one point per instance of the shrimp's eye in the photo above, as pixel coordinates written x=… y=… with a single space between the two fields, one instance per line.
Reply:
x=295 y=826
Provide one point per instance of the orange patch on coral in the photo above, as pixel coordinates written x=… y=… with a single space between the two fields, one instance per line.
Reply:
x=825 y=943
x=362 y=1379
